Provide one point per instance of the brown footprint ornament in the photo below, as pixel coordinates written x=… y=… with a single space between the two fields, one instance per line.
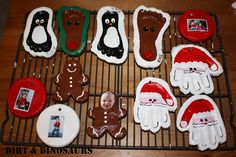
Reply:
x=107 y=118
x=149 y=27
x=71 y=83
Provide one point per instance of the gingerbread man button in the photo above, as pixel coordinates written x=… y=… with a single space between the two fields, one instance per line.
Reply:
x=71 y=83
x=106 y=118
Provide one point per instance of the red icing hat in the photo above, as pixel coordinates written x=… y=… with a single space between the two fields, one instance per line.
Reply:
x=154 y=87
x=196 y=25
x=197 y=106
x=191 y=54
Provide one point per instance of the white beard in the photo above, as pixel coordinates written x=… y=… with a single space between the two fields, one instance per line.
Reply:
x=207 y=136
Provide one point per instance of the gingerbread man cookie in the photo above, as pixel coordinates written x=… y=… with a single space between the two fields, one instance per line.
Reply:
x=106 y=118
x=71 y=83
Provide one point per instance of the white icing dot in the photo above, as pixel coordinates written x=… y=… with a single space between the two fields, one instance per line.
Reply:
x=105 y=121
x=105 y=112
x=70 y=78
x=105 y=117
x=70 y=85
x=70 y=82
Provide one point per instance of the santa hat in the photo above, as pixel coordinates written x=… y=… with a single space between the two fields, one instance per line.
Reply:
x=195 y=107
x=194 y=54
x=155 y=88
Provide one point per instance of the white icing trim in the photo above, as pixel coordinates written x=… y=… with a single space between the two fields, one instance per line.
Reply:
x=118 y=132
x=80 y=95
x=158 y=43
x=90 y=113
x=84 y=78
x=121 y=30
x=94 y=132
x=58 y=79
x=59 y=96
x=189 y=126
x=53 y=49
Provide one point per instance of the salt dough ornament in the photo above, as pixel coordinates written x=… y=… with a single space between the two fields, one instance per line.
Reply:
x=192 y=67
x=73 y=24
x=152 y=104
x=27 y=97
x=200 y=116
x=149 y=26
x=196 y=25
x=71 y=83
x=107 y=118
x=58 y=125
x=39 y=38
x=110 y=43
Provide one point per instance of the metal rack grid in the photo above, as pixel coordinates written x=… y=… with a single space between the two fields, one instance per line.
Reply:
x=122 y=80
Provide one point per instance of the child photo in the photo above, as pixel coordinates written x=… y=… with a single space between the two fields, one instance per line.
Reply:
x=56 y=126
x=197 y=25
x=24 y=99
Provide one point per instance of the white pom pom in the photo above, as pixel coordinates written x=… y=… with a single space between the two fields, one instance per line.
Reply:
x=183 y=124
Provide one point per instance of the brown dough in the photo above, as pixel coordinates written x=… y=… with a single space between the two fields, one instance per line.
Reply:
x=106 y=118
x=73 y=21
x=149 y=25
x=71 y=83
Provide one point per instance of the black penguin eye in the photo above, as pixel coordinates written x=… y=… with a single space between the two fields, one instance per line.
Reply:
x=42 y=21
x=153 y=29
x=113 y=20
x=77 y=23
x=69 y=23
x=37 y=21
x=145 y=29
x=107 y=21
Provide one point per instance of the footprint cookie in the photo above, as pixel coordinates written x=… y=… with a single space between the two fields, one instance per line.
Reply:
x=110 y=43
x=39 y=38
x=149 y=27
x=73 y=24
x=71 y=83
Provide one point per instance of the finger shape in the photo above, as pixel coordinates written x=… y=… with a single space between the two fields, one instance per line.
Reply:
x=207 y=81
x=137 y=112
x=213 y=142
x=194 y=136
x=145 y=117
x=177 y=75
x=185 y=84
x=220 y=133
x=156 y=124
x=165 y=118
x=204 y=139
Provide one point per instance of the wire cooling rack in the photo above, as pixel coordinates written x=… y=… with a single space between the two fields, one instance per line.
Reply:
x=122 y=80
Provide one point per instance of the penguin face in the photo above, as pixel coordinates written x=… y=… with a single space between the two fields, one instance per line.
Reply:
x=110 y=19
x=40 y=19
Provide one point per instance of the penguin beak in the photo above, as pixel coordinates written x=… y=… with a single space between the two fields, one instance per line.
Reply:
x=110 y=24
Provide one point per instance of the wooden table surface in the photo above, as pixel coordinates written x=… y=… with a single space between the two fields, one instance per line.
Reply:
x=14 y=27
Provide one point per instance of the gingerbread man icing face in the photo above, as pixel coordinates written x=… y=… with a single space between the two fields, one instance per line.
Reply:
x=72 y=67
x=107 y=100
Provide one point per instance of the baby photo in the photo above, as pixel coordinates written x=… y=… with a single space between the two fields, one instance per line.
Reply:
x=24 y=99
x=199 y=25
x=56 y=125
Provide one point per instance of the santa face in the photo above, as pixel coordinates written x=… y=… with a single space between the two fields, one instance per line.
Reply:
x=152 y=100
x=203 y=121
x=107 y=100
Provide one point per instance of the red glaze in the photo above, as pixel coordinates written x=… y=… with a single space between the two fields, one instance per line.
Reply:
x=157 y=88
x=38 y=101
x=196 y=36
x=72 y=45
x=191 y=54
x=197 y=106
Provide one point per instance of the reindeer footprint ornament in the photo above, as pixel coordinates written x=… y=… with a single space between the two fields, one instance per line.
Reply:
x=153 y=102
x=200 y=116
x=110 y=43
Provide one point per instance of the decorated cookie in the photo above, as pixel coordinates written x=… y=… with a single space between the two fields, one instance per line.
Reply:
x=27 y=97
x=107 y=118
x=58 y=125
x=39 y=38
x=196 y=25
x=73 y=25
x=110 y=43
x=71 y=83
x=149 y=27
x=152 y=104
x=200 y=116
x=192 y=67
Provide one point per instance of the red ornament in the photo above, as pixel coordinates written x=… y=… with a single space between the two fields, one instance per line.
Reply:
x=196 y=25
